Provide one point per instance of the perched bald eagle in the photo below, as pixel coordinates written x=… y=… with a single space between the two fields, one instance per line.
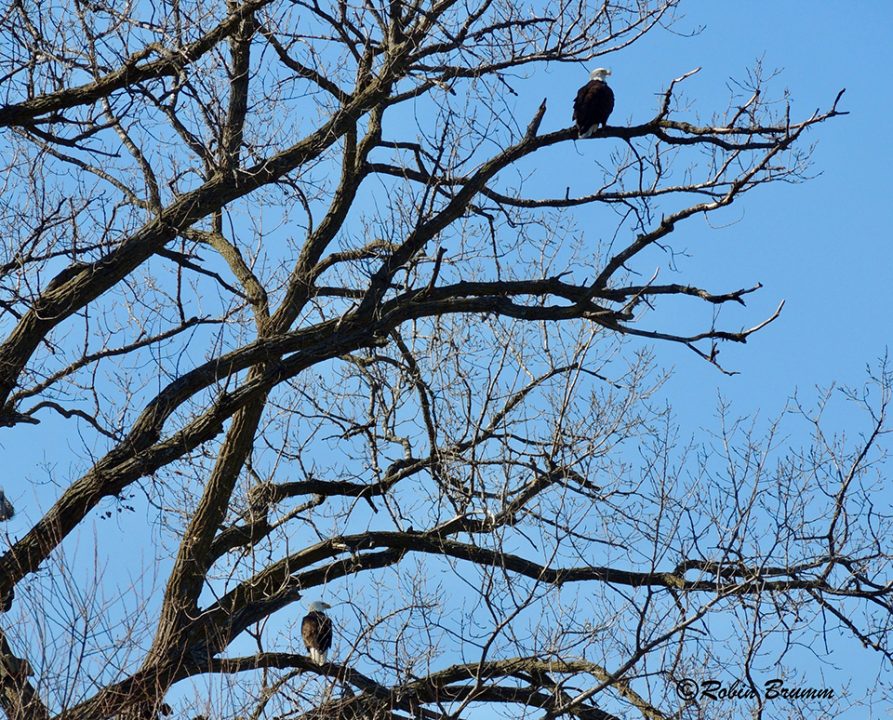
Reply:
x=594 y=103
x=316 y=629
x=6 y=508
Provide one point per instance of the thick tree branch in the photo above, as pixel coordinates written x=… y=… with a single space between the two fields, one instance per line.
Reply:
x=132 y=71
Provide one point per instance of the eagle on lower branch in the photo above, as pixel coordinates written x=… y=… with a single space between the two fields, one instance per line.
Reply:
x=316 y=630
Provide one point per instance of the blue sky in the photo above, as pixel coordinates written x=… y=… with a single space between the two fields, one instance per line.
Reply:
x=823 y=246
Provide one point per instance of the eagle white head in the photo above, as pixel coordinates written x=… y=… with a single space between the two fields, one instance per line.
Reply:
x=318 y=606
x=599 y=74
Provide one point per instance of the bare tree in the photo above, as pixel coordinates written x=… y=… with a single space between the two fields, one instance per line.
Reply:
x=282 y=272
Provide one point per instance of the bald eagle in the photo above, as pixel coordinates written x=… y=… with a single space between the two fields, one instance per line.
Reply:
x=6 y=508
x=594 y=103
x=316 y=629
